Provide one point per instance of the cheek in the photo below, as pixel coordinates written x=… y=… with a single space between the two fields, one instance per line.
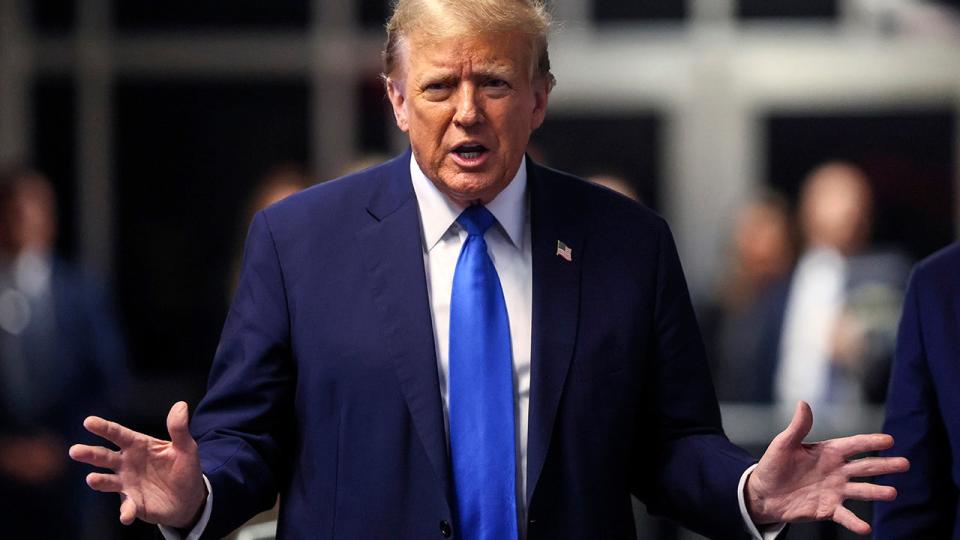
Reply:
x=520 y=119
x=431 y=123
x=516 y=129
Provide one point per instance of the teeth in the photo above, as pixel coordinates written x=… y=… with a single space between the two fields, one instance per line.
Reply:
x=471 y=151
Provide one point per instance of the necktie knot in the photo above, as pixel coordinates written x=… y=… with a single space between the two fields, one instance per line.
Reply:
x=476 y=220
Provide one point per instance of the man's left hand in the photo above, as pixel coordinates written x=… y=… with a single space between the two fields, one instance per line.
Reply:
x=797 y=481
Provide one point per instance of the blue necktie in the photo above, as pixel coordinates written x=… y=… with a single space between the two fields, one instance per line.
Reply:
x=481 y=391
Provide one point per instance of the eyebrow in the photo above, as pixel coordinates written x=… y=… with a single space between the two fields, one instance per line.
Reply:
x=435 y=77
x=448 y=77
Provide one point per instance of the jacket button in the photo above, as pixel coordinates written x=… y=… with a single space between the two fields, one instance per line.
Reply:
x=445 y=529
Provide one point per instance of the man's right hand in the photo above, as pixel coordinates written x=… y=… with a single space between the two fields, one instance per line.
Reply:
x=158 y=481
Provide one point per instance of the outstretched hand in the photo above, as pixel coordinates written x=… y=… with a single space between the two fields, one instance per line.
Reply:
x=158 y=481
x=797 y=481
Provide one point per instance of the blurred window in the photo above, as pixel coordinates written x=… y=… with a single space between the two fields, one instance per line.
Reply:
x=138 y=15
x=952 y=3
x=908 y=155
x=373 y=13
x=375 y=116
x=612 y=11
x=188 y=154
x=787 y=9
x=52 y=16
x=54 y=151
x=622 y=144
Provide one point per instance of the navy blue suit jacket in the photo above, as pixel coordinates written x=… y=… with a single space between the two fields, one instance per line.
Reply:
x=325 y=386
x=923 y=406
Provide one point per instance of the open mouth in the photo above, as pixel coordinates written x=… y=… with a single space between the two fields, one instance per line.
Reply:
x=470 y=151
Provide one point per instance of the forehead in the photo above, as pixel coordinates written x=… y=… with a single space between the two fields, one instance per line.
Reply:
x=498 y=50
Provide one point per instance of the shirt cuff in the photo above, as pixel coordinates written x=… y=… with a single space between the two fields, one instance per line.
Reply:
x=770 y=531
x=170 y=533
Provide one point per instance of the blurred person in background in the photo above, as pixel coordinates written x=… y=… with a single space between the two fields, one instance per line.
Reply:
x=923 y=407
x=841 y=308
x=61 y=355
x=737 y=325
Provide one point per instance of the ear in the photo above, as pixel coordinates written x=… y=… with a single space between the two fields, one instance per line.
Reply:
x=541 y=94
x=399 y=103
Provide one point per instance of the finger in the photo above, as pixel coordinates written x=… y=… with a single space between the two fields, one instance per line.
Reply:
x=107 y=483
x=128 y=510
x=849 y=520
x=178 y=425
x=111 y=431
x=799 y=426
x=863 y=491
x=874 y=466
x=859 y=444
x=97 y=456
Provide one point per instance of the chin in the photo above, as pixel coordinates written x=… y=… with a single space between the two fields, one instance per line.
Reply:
x=465 y=189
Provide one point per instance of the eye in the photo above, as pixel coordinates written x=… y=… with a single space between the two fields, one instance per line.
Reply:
x=437 y=90
x=495 y=87
x=496 y=83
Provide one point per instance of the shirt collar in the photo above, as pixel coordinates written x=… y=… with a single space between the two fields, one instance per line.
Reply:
x=438 y=213
x=29 y=272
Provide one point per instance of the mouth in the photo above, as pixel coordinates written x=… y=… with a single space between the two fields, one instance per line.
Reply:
x=470 y=151
x=470 y=156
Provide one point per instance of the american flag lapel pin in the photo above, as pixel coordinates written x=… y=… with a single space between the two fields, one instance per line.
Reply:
x=564 y=251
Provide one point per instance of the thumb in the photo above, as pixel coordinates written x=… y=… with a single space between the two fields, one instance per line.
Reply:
x=799 y=426
x=178 y=425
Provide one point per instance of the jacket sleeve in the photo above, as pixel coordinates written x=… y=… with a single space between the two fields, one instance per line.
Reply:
x=926 y=499
x=244 y=423
x=690 y=471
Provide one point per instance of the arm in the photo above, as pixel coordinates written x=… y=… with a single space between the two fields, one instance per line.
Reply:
x=926 y=497
x=244 y=423
x=690 y=471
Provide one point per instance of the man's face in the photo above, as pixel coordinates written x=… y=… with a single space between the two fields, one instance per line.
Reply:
x=469 y=106
x=27 y=219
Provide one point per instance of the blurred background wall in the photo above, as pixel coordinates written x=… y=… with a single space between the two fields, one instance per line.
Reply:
x=156 y=122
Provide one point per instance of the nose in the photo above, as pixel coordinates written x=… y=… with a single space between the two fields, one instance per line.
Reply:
x=468 y=111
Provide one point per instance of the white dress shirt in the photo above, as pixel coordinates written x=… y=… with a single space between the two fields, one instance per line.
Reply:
x=815 y=301
x=508 y=244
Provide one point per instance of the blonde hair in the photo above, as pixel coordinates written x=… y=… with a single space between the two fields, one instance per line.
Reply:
x=431 y=18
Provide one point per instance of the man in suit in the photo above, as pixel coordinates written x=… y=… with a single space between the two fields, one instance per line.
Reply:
x=923 y=406
x=461 y=343
x=61 y=357
x=839 y=319
x=826 y=332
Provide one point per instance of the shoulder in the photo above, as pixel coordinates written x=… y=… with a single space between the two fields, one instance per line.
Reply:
x=340 y=204
x=350 y=190
x=604 y=208
x=945 y=261
x=938 y=276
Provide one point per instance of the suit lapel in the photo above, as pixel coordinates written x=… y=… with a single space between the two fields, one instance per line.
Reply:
x=556 y=303
x=394 y=260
